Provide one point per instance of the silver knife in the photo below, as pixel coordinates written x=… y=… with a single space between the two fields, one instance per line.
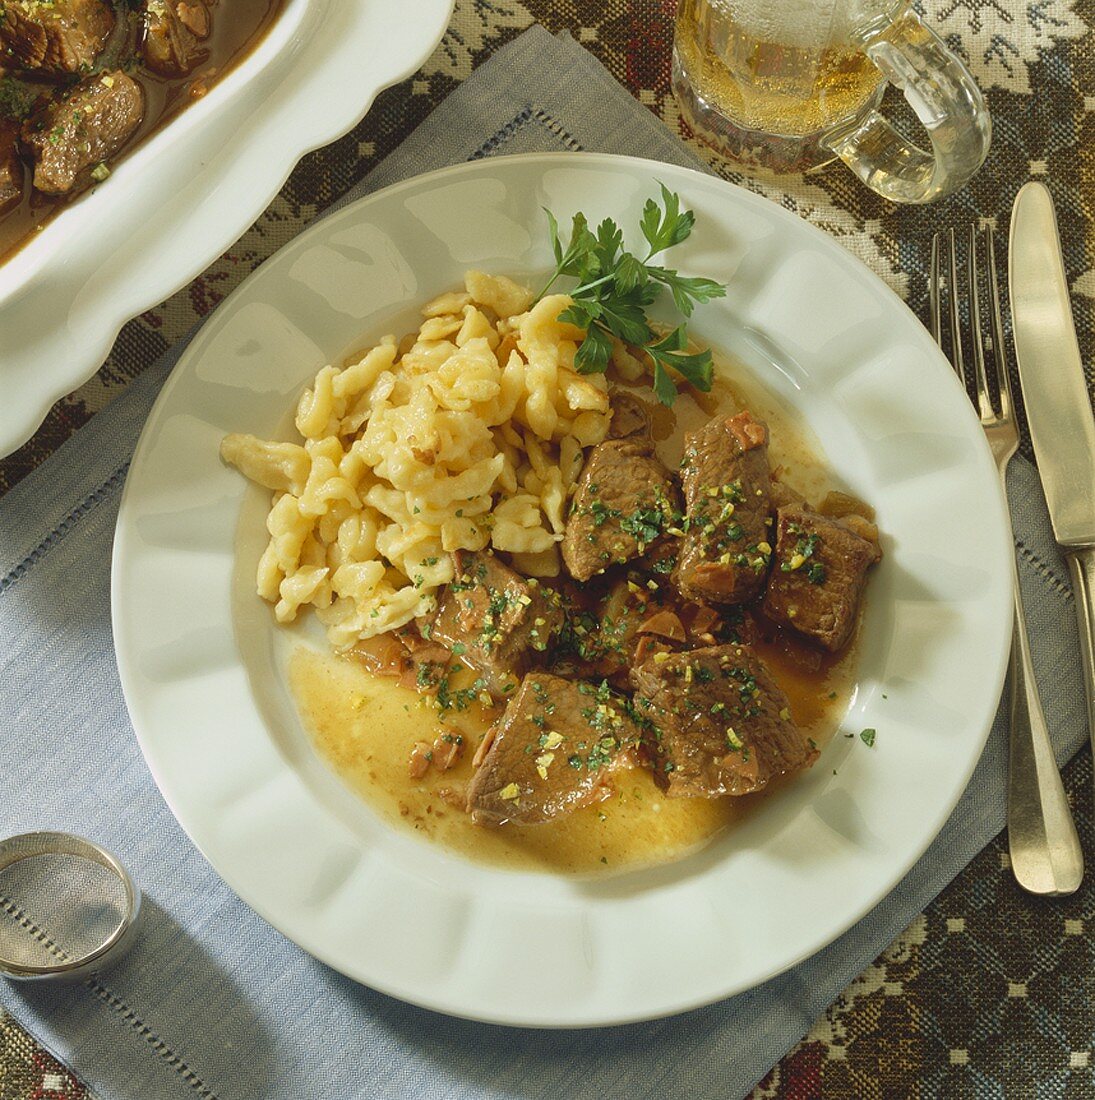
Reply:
x=1057 y=403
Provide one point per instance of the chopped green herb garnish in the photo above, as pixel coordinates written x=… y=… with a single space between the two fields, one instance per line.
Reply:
x=16 y=99
x=815 y=573
x=601 y=513
x=462 y=698
x=867 y=736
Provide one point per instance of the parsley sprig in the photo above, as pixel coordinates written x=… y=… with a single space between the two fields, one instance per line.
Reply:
x=615 y=288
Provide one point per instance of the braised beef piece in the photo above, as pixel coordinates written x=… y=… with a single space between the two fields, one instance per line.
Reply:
x=718 y=723
x=11 y=169
x=819 y=574
x=660 y=560
x=174 y=33
x=70 y=139
x=781 y=494
x=611 y=628
x=624 y=502
x=493 y=620
x=601 y=630
x=630 y=416
x=55 y=37
x=552 y=751
x=725 y=550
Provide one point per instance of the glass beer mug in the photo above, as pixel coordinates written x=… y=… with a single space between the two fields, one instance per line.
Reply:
x=792 y=84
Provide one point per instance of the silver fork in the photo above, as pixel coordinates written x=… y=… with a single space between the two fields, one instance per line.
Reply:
x=1046 y=857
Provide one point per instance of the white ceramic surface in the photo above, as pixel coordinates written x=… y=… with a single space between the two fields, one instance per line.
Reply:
x=184 y=196
x=203 y=665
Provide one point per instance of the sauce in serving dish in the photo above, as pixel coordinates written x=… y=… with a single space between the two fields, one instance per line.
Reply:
x=365 y=725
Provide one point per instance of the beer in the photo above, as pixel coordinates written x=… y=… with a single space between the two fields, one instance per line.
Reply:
x=789 y=69
x=793 y=84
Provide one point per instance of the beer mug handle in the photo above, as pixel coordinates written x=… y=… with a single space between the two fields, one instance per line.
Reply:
x=941 y=91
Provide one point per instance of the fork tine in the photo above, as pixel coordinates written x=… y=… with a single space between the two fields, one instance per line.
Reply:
x=957 y=359
x=999 y=349
x=984 y=394
x=933 y=291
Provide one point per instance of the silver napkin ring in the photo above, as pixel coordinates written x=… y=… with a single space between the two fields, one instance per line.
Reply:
x=73 y=968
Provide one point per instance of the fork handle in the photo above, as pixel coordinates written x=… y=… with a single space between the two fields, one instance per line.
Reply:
x=1081 y=564
x=1046 y=857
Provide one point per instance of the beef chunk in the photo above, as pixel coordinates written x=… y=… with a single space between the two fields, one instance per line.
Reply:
x=599 y=637
x=725 y=551
x=552 y=751
x=819 y=574
x=630 y=417
x=174 y=35
x=90 y=125
x=720 y=723
x=624 y=502
x=782 y=494
x=58 y=37
x=493 y=619
x=11 y=169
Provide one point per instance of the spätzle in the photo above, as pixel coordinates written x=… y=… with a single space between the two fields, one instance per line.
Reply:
x=467 y=434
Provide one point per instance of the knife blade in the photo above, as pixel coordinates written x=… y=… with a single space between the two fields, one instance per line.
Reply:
x=1050 y=369
x=1058 y=408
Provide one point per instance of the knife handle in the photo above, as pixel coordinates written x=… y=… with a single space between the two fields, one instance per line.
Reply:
x=1046 y=857
x=1081 y=564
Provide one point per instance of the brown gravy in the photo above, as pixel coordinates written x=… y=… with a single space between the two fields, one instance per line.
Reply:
x=238 y=27
x=365 y=725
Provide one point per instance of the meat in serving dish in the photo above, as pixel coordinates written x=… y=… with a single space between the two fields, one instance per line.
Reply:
x=82 y=82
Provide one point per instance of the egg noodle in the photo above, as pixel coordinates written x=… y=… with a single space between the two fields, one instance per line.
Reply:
x=467 y=434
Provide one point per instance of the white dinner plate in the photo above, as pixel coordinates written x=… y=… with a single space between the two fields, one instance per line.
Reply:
x=179 y=200
x=203 y=664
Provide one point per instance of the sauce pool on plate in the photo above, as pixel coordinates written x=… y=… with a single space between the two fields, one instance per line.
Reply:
x=365 y=727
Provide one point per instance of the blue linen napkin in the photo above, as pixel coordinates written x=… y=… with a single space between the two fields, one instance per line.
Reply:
x=212 y=1002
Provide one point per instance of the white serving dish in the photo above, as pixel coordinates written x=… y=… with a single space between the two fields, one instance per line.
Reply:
x=184 y=196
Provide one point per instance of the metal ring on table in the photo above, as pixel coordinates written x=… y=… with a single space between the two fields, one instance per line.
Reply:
x=28 y=845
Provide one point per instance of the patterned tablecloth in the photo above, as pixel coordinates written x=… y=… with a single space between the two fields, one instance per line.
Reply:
x=989 y=992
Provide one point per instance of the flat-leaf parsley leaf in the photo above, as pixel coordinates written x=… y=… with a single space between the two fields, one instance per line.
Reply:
x=615 y=288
